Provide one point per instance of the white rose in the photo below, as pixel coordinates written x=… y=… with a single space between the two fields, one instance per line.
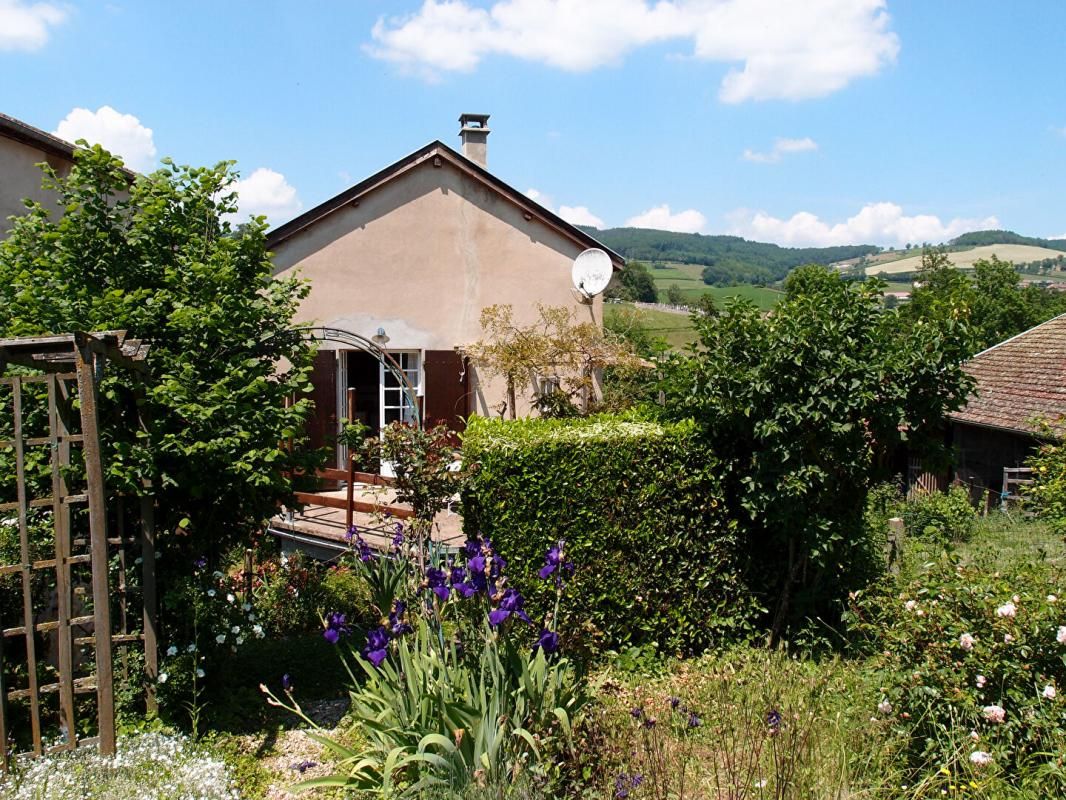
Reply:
x=980 y=758
x=966 y=641
x=1049 y=692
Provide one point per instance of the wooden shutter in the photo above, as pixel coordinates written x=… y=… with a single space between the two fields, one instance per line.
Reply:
x=322 y=424
x=447 y=384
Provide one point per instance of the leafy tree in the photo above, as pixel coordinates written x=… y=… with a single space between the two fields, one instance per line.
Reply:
x=804 y=408
x=674 y=295
x=556 y=354
x=634 y=283
x=156 y=256
x=992 y=300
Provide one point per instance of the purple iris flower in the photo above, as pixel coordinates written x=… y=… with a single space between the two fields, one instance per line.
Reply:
x=675 y=702
x=286 y=682
x=693 y=720
x=457 y=578
x=437 y=583
x=555 y=563
x=472 y=548
x=305 y=765
x=201 y=562
x=336 y=627
x=548 y=641
x=397 y=539
x=510 y=603
x=377 y=646
x=773 y=720
x=397 y=625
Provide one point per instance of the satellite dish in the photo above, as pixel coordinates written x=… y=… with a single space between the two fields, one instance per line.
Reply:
x=592 y=272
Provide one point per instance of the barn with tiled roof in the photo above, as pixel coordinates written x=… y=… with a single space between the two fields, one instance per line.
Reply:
x=1019 y=400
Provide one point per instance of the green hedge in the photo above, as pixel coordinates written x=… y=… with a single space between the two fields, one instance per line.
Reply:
x=639 y=506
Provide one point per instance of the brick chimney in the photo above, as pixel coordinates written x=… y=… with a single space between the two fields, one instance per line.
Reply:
x=475 y=133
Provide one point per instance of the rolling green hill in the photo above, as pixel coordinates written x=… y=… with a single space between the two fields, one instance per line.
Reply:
x=726 y=260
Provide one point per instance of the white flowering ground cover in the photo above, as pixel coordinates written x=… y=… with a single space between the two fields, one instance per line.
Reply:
x=149 y=766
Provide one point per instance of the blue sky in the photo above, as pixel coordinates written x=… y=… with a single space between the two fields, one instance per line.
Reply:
x=821 y=122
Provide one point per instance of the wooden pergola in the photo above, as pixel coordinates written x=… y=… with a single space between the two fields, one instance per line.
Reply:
x=63 y=418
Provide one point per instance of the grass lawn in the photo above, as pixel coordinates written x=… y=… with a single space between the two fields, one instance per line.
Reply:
x=688 y=278
x=676 y=329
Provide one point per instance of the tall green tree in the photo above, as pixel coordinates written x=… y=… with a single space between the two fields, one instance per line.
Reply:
x=803 y=408
x=633 y=283
x=157 y=256
x=992 y=300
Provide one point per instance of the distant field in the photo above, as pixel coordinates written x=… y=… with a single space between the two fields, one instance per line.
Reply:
x=1017 y=253
x=689 y=279
x=676 y=329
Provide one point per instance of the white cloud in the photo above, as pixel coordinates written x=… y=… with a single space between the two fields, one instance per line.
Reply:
x=875 y=223
x=781 y=148
x=1060 y=236
x=267 y=192
x=575 y=215
x=782 y=49
x=660 y=218
x=27 y=26
x=580 y=215
x=122 y=134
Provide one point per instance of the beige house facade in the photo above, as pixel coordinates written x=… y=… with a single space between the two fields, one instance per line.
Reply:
x=22 y=148
x=412 y=255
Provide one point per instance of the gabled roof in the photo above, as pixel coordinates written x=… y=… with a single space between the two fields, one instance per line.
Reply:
x=34 y=137
x=1021 y=382
x=433 y=150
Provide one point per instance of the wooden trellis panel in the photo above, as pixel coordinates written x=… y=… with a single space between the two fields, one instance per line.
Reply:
x=74 y=365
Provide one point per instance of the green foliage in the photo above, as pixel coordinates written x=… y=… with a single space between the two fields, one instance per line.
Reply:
x=1048 y=490
x=822 y=746
x=802 y=410
x=981 y=238
x=991 y=301
x=427 y=472
x=971 y=658
x=291 y=594
x=433 y=719
x=943 y=517
x=633 y=283
x=729 y=259
x=640 y=506
x=158 y=258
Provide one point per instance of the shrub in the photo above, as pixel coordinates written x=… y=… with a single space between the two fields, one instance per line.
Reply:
x=1048 y=491
x=639 y=506
x=293 y=592
x=150 y=766
x=973 y=660
x=940 y=517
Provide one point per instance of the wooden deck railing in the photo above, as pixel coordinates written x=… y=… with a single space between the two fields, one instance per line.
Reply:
x=349 y=504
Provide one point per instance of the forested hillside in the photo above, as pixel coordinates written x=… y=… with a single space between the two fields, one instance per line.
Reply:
x=980 y=238
x=728 y=259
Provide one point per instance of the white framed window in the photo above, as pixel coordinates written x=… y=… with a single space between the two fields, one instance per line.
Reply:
x=396 y=404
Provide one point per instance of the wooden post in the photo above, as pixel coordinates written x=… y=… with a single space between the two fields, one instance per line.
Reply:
x=349 y=505
x=249 y=568
x=58 y=433
x=151 y=619
x=86 y=361
x=26 y=571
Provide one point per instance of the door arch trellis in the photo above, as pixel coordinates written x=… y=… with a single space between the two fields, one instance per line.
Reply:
x=68 y=487
x=359 y=342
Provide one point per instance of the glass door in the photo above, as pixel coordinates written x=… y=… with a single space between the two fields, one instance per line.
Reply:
x=396 y=404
